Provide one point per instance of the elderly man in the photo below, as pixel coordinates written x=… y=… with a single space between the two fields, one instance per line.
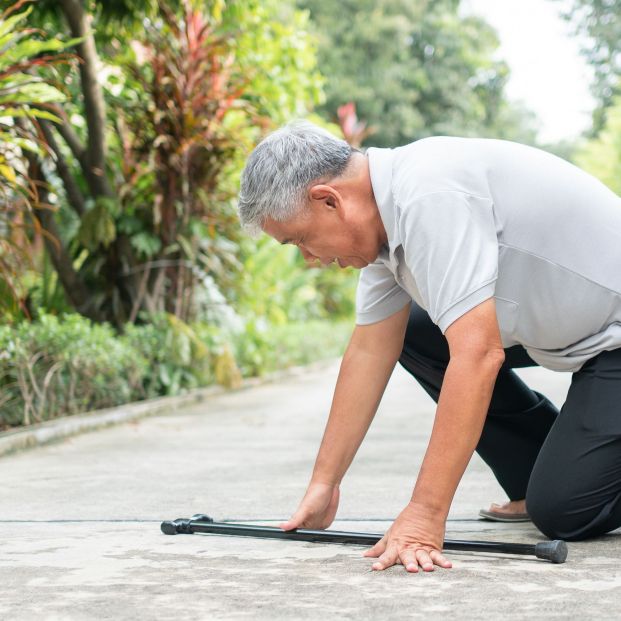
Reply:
x=477 y=256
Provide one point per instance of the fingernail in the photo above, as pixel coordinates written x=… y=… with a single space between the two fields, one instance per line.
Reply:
x=411 y=566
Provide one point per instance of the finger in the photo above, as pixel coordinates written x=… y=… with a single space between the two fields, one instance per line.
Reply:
x=295 y=521
x=408 y=559
x=290 y=525
x=439 y=559
x=377 y=549
x=424 y=560
x=387 y=559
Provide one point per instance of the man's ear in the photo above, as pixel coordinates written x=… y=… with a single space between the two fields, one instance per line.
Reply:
x=325 y=195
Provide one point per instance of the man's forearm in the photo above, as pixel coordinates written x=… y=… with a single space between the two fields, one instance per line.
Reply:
x=462 y=408
x=361 y=383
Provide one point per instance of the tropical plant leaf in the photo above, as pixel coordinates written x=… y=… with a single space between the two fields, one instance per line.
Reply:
x=28 y=112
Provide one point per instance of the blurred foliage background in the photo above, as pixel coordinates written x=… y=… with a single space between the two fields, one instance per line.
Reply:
x=124 y=126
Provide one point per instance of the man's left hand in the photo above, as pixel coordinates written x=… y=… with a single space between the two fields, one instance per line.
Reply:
x=414 y=539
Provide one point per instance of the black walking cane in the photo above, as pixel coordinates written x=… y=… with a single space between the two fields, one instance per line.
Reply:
x=555 y=551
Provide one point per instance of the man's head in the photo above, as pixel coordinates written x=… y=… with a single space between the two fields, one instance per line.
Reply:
x=302 y=185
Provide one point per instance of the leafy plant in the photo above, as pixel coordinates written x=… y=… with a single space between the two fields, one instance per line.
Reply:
x=277 y=287
x=178 y=359
x=438 y=75
x=145 y=156
x=263 y=348
x=50 y=368
x=598 y=22
x=354 y=131
x=25 y=93
x=601 y=156
x=176 y=150
x=57 y=366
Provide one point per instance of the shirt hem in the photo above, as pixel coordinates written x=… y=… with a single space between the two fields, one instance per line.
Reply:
x=387 y=309
x=465 y=304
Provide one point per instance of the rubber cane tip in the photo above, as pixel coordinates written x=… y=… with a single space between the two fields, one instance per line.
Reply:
x=169 y=528
x=555 y=551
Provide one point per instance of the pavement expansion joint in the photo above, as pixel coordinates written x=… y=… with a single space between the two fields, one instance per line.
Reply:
x=155 y=520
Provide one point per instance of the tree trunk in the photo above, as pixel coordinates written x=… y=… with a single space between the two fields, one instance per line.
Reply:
x=74 y=287
x=94 y=105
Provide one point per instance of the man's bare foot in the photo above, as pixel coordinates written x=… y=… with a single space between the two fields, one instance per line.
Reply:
x=512 y=511
x=510 y=508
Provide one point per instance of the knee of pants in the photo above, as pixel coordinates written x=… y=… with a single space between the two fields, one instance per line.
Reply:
x=543 y=513
x=552 y=513
x=547 y=510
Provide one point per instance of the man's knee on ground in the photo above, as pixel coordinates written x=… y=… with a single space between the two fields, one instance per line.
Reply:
x=545 y=511
x=555 y=514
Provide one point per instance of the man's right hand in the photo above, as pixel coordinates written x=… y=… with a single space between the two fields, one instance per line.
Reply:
x=317 y=509
x=368 y=361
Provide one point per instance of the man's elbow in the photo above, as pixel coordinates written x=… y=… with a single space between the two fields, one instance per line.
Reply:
x=490 y=359
x=475 y=336
x=496 y=357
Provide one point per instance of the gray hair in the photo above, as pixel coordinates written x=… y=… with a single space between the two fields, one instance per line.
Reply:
x=281 y=168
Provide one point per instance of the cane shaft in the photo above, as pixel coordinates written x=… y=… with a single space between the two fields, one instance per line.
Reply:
x=553 y=551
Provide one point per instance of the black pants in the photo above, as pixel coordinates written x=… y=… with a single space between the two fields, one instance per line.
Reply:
x=567 y=465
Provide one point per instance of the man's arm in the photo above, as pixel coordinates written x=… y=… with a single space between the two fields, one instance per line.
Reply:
x=476 y=355
x=366 y=367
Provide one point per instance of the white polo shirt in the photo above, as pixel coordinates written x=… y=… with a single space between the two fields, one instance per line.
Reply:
x=472 y=218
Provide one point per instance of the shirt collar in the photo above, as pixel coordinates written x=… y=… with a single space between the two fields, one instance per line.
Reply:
x=380 y=168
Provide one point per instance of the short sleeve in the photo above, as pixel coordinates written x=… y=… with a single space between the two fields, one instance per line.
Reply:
x=378 y=295
x=451 y=249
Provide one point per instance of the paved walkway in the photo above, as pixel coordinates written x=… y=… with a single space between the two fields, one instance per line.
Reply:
x=81 y=539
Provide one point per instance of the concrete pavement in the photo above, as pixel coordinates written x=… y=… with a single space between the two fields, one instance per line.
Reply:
x=81 y=539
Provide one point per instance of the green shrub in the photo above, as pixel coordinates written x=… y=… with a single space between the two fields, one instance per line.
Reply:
x=263 y=348
x=59 y=366
x=178 y=359
x=50 y=368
